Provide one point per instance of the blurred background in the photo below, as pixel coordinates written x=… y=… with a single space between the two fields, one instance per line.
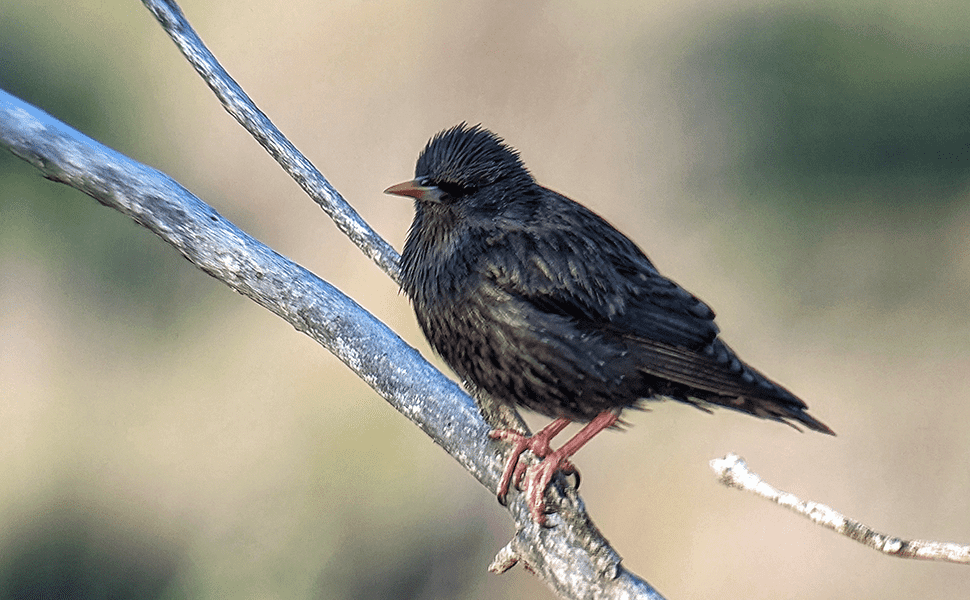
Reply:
x=803 y=168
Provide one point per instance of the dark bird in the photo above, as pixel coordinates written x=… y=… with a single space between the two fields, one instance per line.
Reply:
x=540 y=303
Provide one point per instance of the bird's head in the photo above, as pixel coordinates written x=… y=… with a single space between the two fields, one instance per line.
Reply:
x=462 y=162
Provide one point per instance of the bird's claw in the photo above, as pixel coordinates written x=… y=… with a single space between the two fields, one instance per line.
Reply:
x=538 y=481
x=538 y=478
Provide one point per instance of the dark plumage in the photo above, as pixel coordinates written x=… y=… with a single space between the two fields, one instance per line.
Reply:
x=541 y=303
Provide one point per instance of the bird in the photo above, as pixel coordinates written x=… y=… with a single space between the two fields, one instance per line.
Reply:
x=540 y=303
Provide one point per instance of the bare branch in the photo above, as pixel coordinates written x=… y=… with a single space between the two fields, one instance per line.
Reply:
x=732 y=471
x=572 y=557
x=238 y=104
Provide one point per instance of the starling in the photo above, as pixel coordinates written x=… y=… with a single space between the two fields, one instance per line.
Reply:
x=542 y=304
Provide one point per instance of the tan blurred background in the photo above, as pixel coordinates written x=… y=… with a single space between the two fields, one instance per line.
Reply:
x=803 y=169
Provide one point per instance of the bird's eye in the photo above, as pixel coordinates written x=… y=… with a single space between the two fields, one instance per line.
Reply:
x=454 y=190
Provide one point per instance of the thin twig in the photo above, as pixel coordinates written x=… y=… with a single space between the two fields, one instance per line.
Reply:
x=732 y=471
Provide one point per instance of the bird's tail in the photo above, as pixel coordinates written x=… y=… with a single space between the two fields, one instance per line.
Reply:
x=759 y=396
x=715 y=375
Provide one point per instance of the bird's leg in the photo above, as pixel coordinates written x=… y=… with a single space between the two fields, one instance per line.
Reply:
x=537 y=480
x=538 y=444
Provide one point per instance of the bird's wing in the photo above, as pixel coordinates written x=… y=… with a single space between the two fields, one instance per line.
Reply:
x=573 y=263
x=570 y=261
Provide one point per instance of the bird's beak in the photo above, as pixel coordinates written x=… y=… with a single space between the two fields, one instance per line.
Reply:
x=425 y=193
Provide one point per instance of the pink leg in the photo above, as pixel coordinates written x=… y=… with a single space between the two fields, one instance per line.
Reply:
x=537 y=480
x=538 y=444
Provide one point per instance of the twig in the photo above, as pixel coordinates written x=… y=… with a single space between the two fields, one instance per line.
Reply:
x=732 y=471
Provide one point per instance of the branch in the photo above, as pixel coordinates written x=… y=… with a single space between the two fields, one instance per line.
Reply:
x=238 y=104
x=732 y=471
x=572 y=557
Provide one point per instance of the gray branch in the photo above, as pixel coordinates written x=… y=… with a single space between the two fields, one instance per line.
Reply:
x=572 y=557
x=238 y=104
x=732 y=471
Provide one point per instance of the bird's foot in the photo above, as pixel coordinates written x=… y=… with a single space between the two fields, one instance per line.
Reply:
x=539 y=445
x=539 y=478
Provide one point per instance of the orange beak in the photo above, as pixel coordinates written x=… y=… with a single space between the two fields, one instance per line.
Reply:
x=425 y=193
